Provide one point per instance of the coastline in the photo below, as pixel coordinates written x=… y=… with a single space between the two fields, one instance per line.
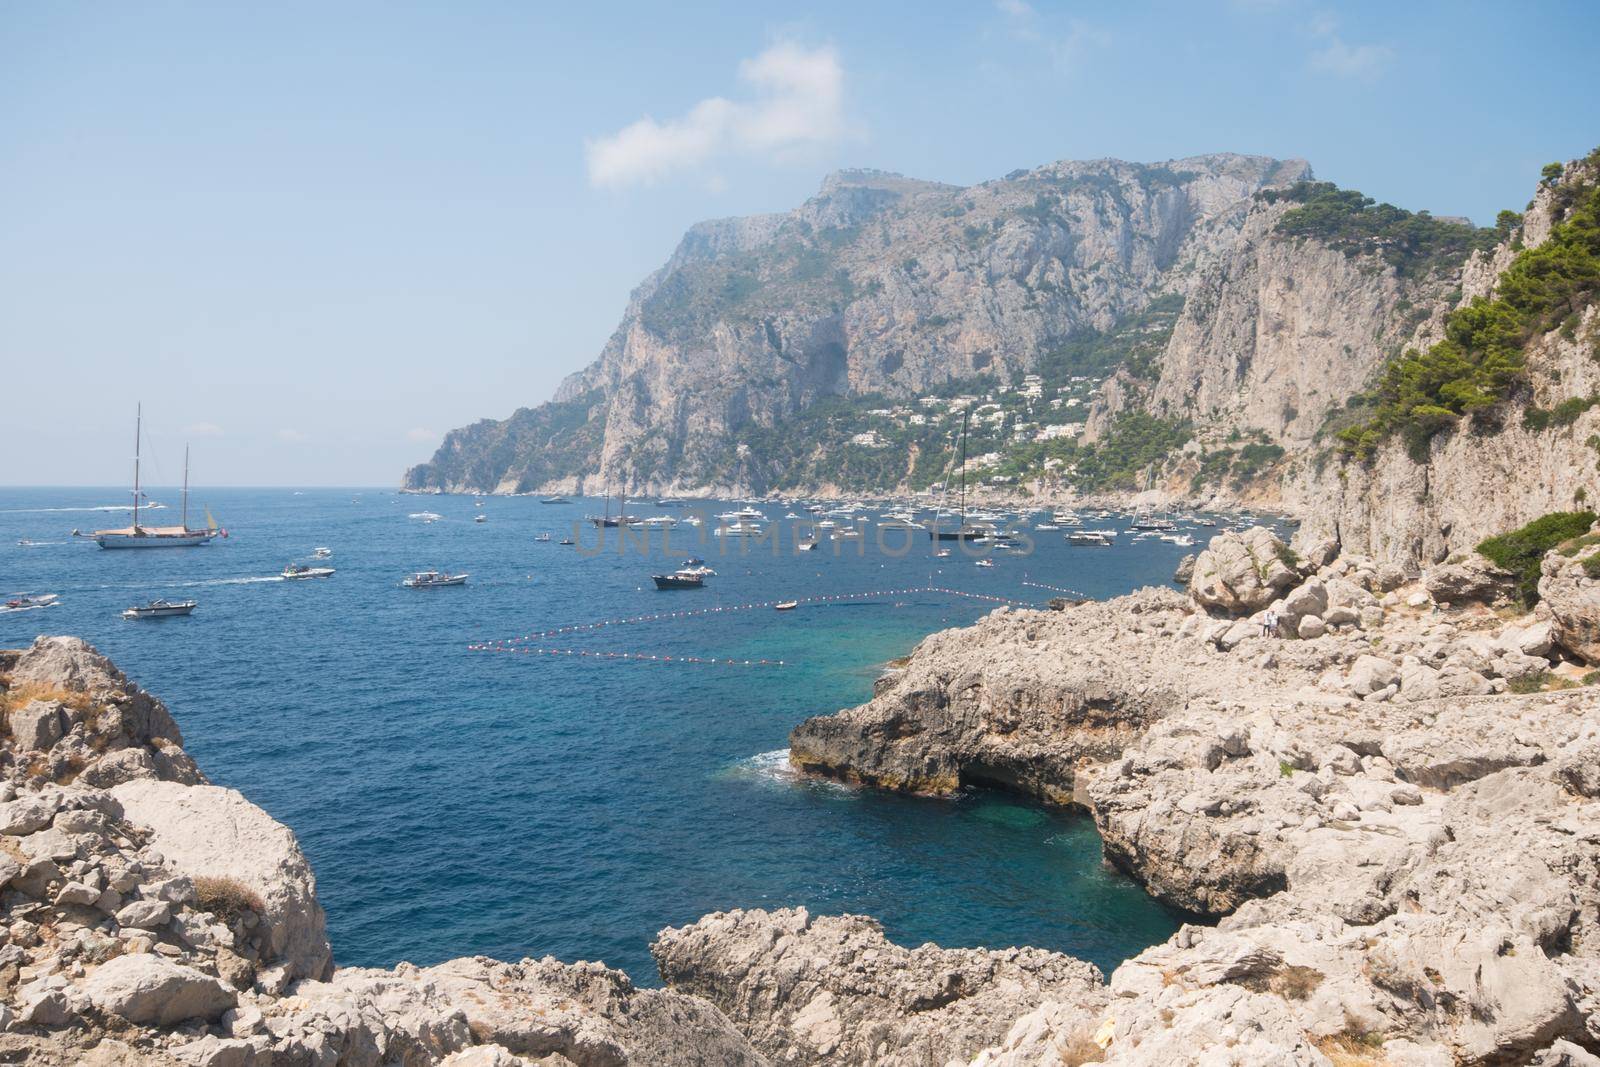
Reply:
x=1377 y=844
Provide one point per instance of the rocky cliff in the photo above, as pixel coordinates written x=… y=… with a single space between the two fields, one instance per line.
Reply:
x=878 y=284
x=1498 y=468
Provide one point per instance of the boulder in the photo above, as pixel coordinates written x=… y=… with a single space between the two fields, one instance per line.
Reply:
x=1311 y=626
x=152 y=990
x=1573 y=600
x=145 y=914
x=206 y=831
x=1242 y=572
x=1371 y=673
x=1469 y=579
x=37 y=726
x=1309 y=598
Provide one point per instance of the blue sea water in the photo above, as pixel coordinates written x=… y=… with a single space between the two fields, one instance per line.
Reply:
x=455 y=801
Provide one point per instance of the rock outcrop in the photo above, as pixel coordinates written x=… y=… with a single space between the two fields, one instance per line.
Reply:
x=834 y=990
x=1398 y=846
x=1569 y=589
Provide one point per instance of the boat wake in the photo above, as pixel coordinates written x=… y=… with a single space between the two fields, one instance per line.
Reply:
x=98 y=507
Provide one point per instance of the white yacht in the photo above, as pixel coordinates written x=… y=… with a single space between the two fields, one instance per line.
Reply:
x=161 y=609
x=432 y=580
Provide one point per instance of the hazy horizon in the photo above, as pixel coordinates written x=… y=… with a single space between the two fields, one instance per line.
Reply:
x=312 y=240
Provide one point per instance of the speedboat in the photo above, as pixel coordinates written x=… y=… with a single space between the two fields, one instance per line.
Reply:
x=160 y=609
x=567 y=541
x=985 y=563
x=1096 y=538
x=553 y=500
x=541 y=538
x=432 y=580
x=696 y=565
x=29 y=602
x=740 y=529
x=481 y=518
x=786 y=605
x=304 y=570
x=807 y=545
x=322 y=553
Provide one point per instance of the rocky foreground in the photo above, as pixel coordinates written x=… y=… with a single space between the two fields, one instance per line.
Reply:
x=1391 y=804
x=1391 y=801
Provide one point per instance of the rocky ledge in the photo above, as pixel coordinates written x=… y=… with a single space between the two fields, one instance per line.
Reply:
x=1390 y=804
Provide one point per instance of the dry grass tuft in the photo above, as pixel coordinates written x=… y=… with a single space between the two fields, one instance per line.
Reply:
x=26 y=693
x=1353 y=1050
x=1295 y=982
x=227 y=898
x=1079 y=1049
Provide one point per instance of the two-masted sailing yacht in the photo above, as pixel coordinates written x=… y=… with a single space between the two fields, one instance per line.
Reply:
x=137 y=536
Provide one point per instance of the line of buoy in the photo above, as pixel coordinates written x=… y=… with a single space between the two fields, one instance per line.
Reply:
x=649 y=657
x=1058 y=589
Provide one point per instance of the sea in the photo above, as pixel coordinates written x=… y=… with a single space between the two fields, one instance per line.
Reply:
x=557 y=758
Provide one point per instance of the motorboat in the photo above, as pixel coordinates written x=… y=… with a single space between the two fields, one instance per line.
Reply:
x=1047 y=526
x=1094 y=538
x=985 y=563
x=680 y=579
x=808 y=545
x=741 y=529
x=480 y=518
x=696 y=565
x=432 y=580
x=29 y=602
x=322 y=553
x=161 y=609
x=553 y=500
x=1181 y=540
x=567 y=541
x=786 y=605
x=746 y=514
x=296 y=571
x=541 y=538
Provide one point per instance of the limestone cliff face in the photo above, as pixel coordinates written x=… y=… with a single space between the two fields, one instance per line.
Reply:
x=1494 y=472
x=1277 y=332
x=877 y=284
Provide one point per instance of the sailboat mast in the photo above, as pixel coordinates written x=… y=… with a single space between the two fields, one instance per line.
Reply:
x=965 y=417
x=138 y=435
x=186 y=487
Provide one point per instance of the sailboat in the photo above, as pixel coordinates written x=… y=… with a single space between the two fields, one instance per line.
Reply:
x=621 y=518
x=136 y=536
x=966 y=531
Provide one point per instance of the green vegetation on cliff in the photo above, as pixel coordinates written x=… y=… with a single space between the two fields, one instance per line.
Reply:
x=1414 y=243
x=1522 y=551
x=1480 y=359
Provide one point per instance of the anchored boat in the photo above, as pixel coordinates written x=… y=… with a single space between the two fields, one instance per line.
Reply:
x=433 y=580
x=160 y=609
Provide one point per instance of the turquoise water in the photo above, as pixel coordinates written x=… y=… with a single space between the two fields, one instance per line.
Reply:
x=457 y=801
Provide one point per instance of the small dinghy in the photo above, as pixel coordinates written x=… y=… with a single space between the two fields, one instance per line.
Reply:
x=787 y=605
x=432 y=580
x=161 y=609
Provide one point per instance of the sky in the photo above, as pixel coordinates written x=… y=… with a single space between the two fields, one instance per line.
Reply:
x=311 y=238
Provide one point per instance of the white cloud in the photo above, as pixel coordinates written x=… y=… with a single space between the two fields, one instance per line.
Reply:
x=1017 y=9
x=289 y=435
x=1338 y=57
x=203 y=429
x=421 y=436
x=798 y=103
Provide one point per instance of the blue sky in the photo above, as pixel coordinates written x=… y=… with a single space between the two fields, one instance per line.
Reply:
x=312 y=237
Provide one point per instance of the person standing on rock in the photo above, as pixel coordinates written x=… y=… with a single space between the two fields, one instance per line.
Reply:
x=1269 y=624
